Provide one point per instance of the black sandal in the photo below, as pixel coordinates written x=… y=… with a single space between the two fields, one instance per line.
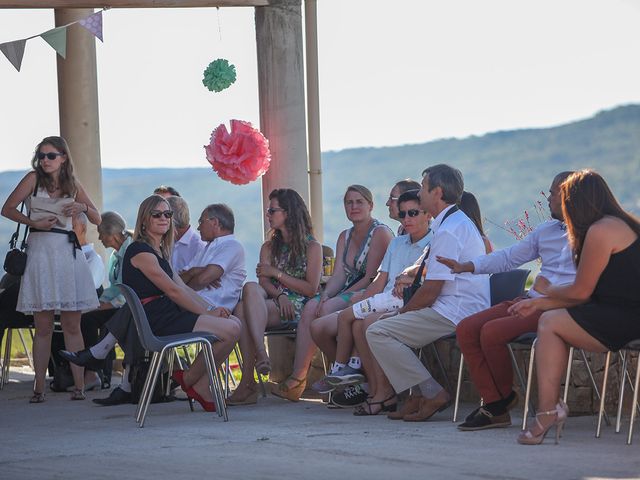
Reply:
x=362 y=411
x=37 y=397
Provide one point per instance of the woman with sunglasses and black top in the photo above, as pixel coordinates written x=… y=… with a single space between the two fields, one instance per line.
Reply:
x=171 y=306
x=57 y=278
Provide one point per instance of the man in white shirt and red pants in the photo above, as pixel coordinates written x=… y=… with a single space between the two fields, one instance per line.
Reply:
x=483 y=337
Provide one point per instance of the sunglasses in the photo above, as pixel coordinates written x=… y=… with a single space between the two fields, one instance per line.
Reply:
x=166 y=214
x=271 y=211
x=411 y=213
x=50 y=155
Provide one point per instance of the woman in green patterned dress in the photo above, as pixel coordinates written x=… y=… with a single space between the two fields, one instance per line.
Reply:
x=288 y=274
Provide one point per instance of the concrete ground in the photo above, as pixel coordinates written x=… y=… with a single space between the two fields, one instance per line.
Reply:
x=276 y=439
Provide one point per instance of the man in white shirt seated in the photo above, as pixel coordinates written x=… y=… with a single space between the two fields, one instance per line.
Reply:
x=483 y=337
x=187 y=241
x=218 y=271
x=438 y=305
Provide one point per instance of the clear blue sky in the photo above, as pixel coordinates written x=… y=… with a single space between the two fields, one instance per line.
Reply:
x=390 y=73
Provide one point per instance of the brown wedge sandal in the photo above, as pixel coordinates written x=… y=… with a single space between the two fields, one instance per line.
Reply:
x=292 y=393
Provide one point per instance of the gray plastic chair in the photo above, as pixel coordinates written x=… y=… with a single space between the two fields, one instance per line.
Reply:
x=503 y=286
x=161 y=346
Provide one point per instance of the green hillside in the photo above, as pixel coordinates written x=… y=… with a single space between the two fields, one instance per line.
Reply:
x=506 y=170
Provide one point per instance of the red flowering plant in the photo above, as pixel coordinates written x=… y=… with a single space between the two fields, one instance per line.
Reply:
x=520 y=227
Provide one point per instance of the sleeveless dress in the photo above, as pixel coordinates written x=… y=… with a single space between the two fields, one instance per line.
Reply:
x=612 y=315
x=358 y=269
x=297 y=270
x=57 y=276
x=165 y=316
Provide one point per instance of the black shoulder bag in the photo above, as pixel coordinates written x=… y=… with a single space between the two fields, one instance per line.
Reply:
x=16 y=259
x=408 y=292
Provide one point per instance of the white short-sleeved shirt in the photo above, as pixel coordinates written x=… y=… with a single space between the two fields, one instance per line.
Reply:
x=462 y=294
x=548 y=242
x=96 y=265
x=400 y=254
x=186 y=249
x=228 y=254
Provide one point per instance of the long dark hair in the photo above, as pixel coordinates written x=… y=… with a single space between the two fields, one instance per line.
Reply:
x=586 y=198
x=297 y=223
x=66 y=179
x=469 y=205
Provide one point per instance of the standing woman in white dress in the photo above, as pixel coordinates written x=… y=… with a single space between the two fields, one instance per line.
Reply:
x=57 y=278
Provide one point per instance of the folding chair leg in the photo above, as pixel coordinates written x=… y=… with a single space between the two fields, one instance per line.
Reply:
x=527 y=394
x=215 y=383
x=441 y=366
x=623 y=371
x=604 y=393
x=26 y=350
x=567 y=377
x=150 y=385
x=171 y=354
x=458 y=385
x=594 y=384
x=634 y=403
x=4 y=371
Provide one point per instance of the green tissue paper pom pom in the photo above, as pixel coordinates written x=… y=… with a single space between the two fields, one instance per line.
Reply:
x=220 y=74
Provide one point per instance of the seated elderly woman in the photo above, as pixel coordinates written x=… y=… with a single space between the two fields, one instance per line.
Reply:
x=600 y=311
x=288 y=274
x=112 y=232
x=170 y=305
x=359 y=251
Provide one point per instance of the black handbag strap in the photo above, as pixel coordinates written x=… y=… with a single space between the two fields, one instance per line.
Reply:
x=418 y=278
x=16 y=235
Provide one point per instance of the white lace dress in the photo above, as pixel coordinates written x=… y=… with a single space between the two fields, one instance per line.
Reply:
x=54 y=279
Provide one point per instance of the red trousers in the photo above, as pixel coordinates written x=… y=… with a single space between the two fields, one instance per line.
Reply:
x=483 y=340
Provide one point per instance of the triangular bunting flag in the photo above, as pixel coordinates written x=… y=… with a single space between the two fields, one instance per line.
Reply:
x=93 y=23
x=14 y=51
x=57 y=38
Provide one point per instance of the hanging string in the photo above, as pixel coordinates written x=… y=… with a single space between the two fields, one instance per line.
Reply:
x=219 y=27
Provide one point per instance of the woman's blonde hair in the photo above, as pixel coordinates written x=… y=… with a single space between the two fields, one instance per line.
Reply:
x=362 y=190
x=142 y=222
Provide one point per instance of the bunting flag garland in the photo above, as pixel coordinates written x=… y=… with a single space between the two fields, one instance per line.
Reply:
x=56 y=38
x=14 y=51
x=93 y=23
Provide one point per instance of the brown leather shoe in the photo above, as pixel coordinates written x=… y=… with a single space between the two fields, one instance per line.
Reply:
x=429 y=407
x=410 y=405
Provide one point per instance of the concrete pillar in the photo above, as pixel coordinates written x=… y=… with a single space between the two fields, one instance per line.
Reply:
x=313 y=117
x=282 y=98
x=78 y=103
x=283 y=121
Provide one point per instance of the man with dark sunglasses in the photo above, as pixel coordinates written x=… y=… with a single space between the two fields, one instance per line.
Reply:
x=378 y=298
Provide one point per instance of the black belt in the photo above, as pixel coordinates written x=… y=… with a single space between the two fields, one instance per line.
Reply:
x=73 y=238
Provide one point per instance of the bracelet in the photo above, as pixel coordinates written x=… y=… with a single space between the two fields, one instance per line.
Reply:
x=279 y=295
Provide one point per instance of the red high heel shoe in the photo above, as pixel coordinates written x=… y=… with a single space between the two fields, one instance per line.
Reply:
x=178 y=376
x=207 y=406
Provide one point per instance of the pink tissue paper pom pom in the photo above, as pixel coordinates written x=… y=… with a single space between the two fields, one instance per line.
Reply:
x=239 y=156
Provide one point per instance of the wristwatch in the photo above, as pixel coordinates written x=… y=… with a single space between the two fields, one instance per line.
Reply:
x=210 y=307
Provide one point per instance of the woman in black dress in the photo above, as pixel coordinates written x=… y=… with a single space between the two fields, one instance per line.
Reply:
x=171 y=306
x=600 y=311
